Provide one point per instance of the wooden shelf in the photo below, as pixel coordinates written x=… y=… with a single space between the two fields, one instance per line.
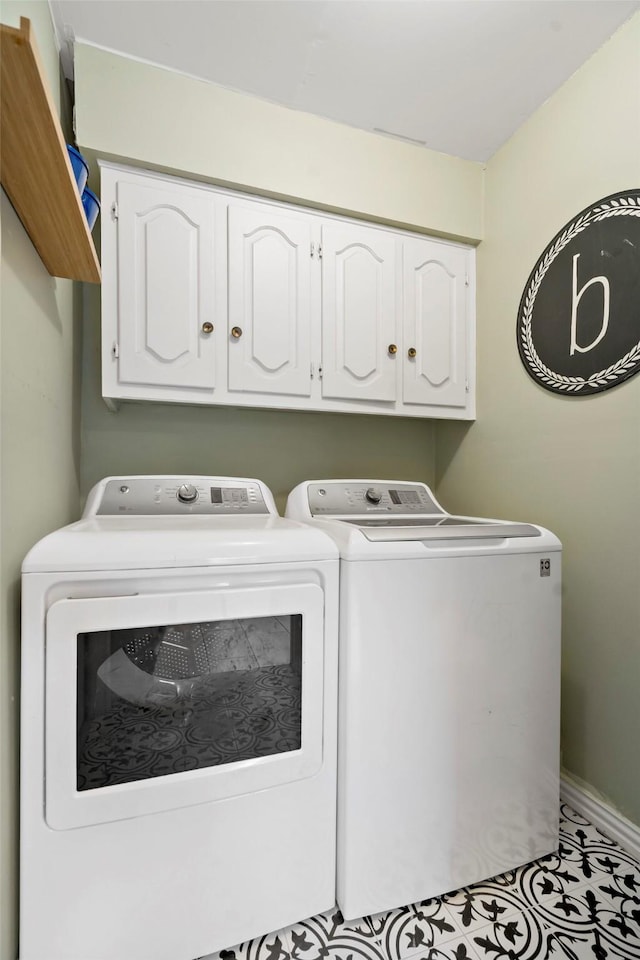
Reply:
x=34 y=165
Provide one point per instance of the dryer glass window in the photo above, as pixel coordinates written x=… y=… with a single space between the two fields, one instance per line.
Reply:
x=160 y=700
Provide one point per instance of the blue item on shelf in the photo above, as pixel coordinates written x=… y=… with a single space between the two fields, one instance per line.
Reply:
x=79 y=166
x=91 y=206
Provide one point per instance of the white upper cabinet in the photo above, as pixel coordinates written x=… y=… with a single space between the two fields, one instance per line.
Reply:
x=269 y=321
x=165 y=301
x=436 y=281
x=359 y=315
x=214 y=297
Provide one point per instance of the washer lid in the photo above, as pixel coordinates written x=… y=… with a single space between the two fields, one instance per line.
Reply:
x=394 y=519
x=439 y=527
x=149 y=543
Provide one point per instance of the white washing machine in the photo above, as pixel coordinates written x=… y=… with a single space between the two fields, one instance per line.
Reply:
x=179 y=686
x=448 y=733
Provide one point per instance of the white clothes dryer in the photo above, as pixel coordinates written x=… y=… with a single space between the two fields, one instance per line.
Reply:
x=448 y=731
x=179 y=685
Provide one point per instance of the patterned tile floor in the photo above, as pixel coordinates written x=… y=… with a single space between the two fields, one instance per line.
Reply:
x=582 y=903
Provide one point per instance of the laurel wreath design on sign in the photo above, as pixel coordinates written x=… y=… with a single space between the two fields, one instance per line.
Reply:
x=620 y=206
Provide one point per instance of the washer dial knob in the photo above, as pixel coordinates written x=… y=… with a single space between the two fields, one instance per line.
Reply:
x=187 y=493
x=373 y=495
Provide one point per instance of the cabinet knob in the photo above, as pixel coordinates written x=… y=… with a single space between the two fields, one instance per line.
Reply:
x=207 y=327
x=411 y=352
x=236 y=332
x=392 y=348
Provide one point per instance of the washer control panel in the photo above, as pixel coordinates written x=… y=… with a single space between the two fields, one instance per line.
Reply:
x=344 y=498
x=156 y=496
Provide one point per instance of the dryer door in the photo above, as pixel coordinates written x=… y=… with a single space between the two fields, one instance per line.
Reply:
x=159 y=701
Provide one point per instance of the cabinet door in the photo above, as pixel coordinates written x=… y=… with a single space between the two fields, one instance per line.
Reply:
x=359 y=327
x=435 y=330
x=269 y=300
x=165 y=285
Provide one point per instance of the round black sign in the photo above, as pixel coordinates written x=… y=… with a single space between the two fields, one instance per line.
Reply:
x=579 y=316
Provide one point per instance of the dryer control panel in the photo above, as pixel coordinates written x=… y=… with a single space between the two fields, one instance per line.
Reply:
x=344 y=498
x=169 y=495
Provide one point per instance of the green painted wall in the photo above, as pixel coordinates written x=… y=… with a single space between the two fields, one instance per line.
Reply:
x=39 y=452
x=572 y=464
x=158 y=118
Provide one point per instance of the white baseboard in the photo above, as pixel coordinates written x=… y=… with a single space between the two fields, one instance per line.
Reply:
x=601 y=815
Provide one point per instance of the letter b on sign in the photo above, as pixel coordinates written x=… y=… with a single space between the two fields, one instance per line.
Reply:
x=575 y=301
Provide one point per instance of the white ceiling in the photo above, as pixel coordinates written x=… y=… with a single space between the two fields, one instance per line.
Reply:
x=458 y=76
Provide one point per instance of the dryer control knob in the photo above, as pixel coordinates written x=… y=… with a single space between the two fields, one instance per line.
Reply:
x=373 y=495
x=187 y=493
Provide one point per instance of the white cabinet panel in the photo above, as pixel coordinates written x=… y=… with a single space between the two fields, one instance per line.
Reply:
x=435 y=328
x=269 y=301
x=165 y=285
x=358 y=313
